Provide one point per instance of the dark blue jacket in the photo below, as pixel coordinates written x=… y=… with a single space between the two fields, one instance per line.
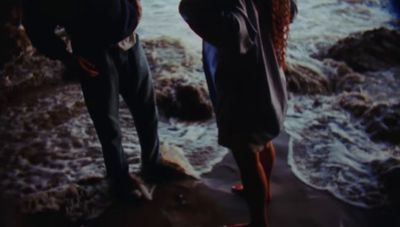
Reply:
x=91 y=24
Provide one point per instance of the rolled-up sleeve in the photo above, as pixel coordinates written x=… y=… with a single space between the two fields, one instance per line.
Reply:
x=222 y=23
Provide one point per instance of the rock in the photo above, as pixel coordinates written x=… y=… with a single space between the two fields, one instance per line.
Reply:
x=194 y=103
x=372 y=50
x=354 y=102
x=304 y=79
x=180 y=86
x=342 y=77
x=177 y=98
x=349 y=82
x=27 y=73
x=169 y=56
x=173 y=157
x=382 y=122
x=8 y=22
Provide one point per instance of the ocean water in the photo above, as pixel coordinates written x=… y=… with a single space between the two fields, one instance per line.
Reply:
x=51 y=159
x=339 y=156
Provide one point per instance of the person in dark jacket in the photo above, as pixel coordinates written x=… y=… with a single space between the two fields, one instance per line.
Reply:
x=110 y=61
x=243 y=57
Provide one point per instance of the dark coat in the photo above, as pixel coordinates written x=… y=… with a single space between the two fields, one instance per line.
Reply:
x=250 y=85
x=91 y=24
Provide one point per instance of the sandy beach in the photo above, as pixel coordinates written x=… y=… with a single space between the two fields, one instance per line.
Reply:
x=209 y=202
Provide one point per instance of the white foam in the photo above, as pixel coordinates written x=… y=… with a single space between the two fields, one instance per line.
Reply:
x=329 y=150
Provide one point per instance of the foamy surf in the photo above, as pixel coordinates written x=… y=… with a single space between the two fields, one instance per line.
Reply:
x=51 y=159
x=330 y=150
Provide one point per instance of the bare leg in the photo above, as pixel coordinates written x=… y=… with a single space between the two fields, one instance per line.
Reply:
x=255 y=184
x=267 y=156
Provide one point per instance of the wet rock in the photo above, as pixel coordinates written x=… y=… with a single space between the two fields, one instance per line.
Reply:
x=179 y=81
x=77 y=143
x=342 y=77
x=71 y=201
x=194 y=103
x=349 y=82
x=380 y=86
x=354 y=102
x=382 y=122
x=168 y=56
x=28 y=72
x=304 y=79
x=179 y=165
x=343 y=70
x=12 y=37
x=372 y=50
x=177 y=98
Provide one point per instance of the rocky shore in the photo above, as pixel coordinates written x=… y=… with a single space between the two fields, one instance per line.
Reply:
x=50 y=160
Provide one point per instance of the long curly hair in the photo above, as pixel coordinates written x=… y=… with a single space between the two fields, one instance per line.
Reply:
x=281 y=18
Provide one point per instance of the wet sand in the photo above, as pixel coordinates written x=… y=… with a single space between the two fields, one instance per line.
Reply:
x=189 y=203
x=293 y=202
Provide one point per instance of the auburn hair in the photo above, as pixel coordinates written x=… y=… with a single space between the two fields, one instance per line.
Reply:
x=281 y=17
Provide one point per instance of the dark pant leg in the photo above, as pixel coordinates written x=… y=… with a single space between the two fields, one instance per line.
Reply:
x=101 y=98
x=136 y=88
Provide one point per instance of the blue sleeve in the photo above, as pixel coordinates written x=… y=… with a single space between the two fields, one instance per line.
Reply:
x=210 y=64
x=222 y=23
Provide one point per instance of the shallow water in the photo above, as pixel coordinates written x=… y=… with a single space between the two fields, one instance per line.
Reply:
x=50 y=157
x=50 y=151
x=340 y=157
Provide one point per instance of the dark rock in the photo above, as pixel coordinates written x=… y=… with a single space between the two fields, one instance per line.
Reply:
x=382 y=122
x=354 y=102
x=302 y=79
x=368 y=51
x=179 y=81
x=349 y=82
x=168 y=56
x=13 y=38
x=342 y=77
x=177 y=98
x=7 y=44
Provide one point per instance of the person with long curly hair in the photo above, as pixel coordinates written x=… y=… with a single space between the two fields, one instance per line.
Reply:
x=244 y=48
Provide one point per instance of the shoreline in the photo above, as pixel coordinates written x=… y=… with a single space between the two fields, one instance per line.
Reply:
x=297 y=204
x=209 y=202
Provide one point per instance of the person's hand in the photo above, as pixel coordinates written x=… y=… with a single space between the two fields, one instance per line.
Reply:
x=87 y=67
